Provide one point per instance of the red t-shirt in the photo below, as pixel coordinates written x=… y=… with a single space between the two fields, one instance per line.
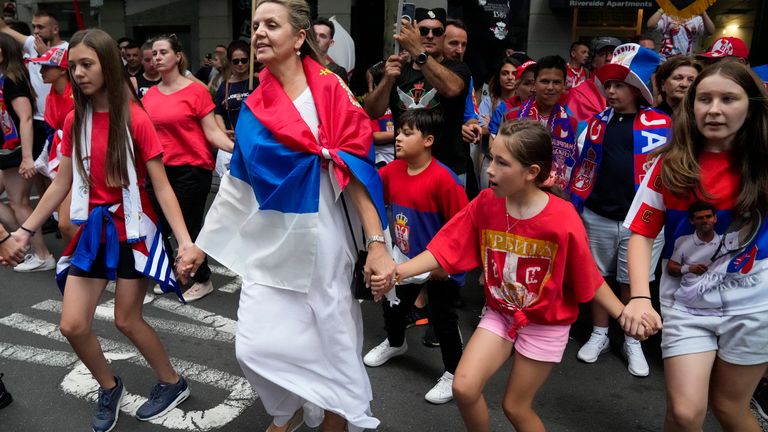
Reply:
x=177 y=119
x=57 y=106
x=145 y=140
x=541 y=267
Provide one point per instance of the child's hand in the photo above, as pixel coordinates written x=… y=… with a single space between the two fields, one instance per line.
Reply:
x=637 y=315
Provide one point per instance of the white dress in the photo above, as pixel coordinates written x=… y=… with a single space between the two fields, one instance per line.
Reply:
x=305 y=350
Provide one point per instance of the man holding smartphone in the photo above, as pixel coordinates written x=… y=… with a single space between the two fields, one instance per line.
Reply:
x=429 y=81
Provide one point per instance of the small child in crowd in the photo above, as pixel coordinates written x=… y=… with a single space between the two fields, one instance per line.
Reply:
x=423 y=194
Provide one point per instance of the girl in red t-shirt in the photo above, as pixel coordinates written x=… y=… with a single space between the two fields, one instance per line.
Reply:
x=107 y=171
x=183 y=113
x=538 y=268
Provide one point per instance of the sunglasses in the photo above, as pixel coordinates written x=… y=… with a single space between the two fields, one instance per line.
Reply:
x=239 y=61
x=436 y=32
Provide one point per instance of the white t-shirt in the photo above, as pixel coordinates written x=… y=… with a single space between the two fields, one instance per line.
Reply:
x=35 y=78
x=690 y=250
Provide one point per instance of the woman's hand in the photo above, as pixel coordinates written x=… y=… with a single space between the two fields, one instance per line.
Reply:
x=639 y=317
x=379 y=270
x=189 y=258
x=27 y=168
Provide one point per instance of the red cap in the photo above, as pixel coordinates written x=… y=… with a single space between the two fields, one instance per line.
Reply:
x=521 y=70
x=727 y=46
x=55 y=57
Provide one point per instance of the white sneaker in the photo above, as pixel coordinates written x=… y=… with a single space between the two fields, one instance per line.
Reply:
x=633 y=352
x=33 y=263
x=197 y=291
x=157 y=290
x=442 y=392
x=597 y=344
x=383 y=352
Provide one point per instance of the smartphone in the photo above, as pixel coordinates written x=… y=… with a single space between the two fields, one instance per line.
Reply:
x=208 y=56
x=407 y=12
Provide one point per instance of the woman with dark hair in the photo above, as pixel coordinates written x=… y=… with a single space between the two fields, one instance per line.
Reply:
x=233 y=91
x=299 y=187
x=182 y=111
x=672 y=79
x=23 y=141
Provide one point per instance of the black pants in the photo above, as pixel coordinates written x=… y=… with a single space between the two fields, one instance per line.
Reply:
x=442 y=317
x=191 y=186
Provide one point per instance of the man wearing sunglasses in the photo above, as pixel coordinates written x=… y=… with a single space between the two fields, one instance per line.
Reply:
x=429 y=81
x=325 y=30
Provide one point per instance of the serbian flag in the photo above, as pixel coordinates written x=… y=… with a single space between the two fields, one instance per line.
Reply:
x=263 y=224
x=149 y=253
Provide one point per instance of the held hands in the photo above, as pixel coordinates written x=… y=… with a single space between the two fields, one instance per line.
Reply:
x=27 y=168
x=379 y=270
x=188 y=259
x=12 y=250
x=639 y=319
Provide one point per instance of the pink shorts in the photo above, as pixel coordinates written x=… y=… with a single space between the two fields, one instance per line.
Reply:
x=545 y=343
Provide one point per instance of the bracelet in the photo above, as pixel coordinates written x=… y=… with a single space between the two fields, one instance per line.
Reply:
x=6 y=238
x=374 y=239
x=640 y=297
x=31 y=233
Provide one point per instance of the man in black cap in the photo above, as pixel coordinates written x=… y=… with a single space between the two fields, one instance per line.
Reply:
x=603 y=47
x=429 y=81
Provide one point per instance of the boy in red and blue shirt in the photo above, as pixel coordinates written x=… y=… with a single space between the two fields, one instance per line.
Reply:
x=423 y=195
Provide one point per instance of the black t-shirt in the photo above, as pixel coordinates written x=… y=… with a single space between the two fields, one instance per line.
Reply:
x=137 y=73
x=229 y=99
x=412 y=90
x=615 y=181
x=11 y=91
x=143 y=84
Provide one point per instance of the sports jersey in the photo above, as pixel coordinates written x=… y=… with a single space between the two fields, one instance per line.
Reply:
x=538 y=269
x=419 y=212
x=734 y=283
x=57 y=107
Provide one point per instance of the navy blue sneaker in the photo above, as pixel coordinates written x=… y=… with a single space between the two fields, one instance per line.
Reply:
x=163 y=398
x=109 y=406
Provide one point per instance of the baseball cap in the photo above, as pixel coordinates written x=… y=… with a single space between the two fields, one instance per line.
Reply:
x=633 y=65
x=604 y=41
x=726 y=46
x=435 y=14
x=521 y=70
x=56 y=57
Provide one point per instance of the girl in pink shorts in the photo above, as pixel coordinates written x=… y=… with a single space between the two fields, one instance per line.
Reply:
x=538 y=268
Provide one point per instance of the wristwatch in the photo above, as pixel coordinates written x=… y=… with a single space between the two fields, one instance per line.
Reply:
x=421 y=58
x=374 y=239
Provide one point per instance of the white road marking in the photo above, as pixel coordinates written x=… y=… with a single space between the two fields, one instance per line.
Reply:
x=231 y=287
x=107 y=313
x=218 y=322
x=80 y=383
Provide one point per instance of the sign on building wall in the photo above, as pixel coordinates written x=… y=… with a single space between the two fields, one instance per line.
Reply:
x=636 y=4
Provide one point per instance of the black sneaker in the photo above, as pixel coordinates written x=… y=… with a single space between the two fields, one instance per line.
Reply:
x=5 y=397
x=163 y=398
x=109 y=407
x=760 y=398
x=417 y=317
x=430 y=339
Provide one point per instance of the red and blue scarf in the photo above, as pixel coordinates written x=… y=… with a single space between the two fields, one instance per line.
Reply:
x=563 y=129
x=651 y=129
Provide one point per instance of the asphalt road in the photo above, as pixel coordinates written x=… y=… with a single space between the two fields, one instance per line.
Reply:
x=53 y=392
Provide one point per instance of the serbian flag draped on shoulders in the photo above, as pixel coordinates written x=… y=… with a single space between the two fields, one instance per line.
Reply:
x=263 y=224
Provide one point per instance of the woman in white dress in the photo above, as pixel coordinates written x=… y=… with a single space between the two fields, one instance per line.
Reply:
x=279 y=221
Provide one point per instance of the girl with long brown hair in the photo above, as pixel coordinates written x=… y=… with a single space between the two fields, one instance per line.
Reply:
x=712 y=293
x=108 y=149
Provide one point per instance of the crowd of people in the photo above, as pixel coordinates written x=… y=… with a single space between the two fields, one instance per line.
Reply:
x=564 y=181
